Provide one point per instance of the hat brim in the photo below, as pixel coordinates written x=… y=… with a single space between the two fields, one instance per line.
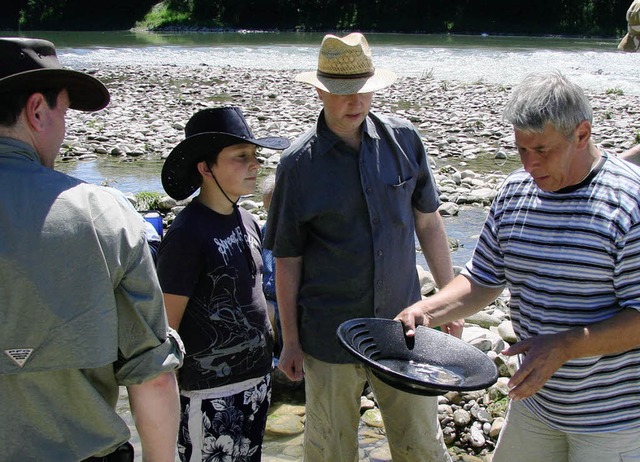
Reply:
x=380 y=79
x=86 y=93
x=629 y=43
x=179 y=176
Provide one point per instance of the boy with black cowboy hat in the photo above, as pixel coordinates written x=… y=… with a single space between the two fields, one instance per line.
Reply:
x=81 y=310
x=210 y=269
x=349 y=195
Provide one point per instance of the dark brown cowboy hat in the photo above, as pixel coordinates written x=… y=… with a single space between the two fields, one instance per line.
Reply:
x=207 y=133
x=32 y=64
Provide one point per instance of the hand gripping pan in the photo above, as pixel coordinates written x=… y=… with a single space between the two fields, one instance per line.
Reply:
x=432 y=363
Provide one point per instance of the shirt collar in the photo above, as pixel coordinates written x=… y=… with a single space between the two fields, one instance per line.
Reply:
x=327 y=139
x=16 y=147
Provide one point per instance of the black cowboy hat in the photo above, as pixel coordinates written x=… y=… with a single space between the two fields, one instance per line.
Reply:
x=32 y=64
x=208 y=132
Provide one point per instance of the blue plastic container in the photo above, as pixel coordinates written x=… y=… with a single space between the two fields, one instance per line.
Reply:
x=155 y=219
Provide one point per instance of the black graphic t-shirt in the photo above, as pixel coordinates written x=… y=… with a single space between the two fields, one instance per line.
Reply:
x=225 y=327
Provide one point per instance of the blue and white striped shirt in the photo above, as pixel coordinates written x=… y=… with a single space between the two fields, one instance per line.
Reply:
x=571 y=258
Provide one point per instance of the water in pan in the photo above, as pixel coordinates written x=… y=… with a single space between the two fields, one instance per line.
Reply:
x=423 y=372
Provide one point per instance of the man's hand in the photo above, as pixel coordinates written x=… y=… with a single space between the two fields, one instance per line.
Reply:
x=453 y=328
x=410 y=318
x=291 y=361
x=413 y=316
x=542 y=357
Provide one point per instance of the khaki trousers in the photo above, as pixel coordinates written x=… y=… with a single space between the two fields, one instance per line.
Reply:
x=525 y=439
x=333 y=413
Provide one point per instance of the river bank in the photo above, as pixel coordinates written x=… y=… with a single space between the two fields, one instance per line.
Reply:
x=460 y=122
x=471 y=149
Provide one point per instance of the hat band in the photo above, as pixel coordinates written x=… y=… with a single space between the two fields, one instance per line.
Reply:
x=329 y=75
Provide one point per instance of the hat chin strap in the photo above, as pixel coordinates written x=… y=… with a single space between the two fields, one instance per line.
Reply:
x=234 y=204
x=246 y=250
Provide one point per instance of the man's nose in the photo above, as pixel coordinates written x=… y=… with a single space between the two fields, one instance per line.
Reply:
x=528 y=160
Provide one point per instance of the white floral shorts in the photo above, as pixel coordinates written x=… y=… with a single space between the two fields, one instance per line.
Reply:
x=224 y=428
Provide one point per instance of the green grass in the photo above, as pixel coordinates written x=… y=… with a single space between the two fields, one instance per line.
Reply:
x=148 y=200
x=615 y=91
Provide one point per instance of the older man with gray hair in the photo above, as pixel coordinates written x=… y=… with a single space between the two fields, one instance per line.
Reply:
x=563 y=235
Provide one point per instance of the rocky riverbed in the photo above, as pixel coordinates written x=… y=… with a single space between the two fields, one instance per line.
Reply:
x=471 y=149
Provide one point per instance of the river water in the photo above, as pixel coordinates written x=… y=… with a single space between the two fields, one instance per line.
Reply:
x=592 y=63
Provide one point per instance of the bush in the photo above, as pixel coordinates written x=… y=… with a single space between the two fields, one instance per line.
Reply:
x=148 y=200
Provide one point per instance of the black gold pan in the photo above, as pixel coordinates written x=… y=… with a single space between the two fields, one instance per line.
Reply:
x=431 y=363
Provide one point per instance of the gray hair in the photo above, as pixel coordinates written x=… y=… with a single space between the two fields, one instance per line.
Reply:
x=547 y=98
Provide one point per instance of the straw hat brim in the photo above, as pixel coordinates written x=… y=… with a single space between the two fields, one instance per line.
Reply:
x=179 y=175
x=628 y=43
x=380 y=79
x=86 y=93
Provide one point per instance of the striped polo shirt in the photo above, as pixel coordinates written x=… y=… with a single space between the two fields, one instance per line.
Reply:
x=571 y=258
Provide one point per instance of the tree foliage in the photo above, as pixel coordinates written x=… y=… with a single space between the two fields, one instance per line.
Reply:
x=569 y=17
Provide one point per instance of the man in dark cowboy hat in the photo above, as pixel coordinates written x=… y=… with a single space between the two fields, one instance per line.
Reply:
x=210 y=269
x=81 y=308
x=349 y=196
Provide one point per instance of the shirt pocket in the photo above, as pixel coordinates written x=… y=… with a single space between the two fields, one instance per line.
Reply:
x=397 y=203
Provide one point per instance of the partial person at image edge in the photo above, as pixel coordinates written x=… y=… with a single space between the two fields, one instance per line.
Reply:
x=82 y=311
x=631 y=41
x=563 y=235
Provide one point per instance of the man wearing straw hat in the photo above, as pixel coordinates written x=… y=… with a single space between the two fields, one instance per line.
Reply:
x=82 y=311
x=349 y=196
x=631 y=41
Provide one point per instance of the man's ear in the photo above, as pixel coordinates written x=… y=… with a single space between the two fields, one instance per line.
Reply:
x=34 y=111
x=583 y=134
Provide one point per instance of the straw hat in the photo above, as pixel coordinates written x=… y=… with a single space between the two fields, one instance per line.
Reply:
x=207 y=133
x=32 y=64
x=345 y=67
x=631 y=41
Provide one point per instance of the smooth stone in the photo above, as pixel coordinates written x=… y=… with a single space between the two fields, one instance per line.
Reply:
x=380 y=455
x=470 y=458
x=476 y=437
x=483 y=319
x=293 y=451
x=373 y=418
x=366 y=403
x=284 y=425
x=449 y=209
x=496 y=427
x=449 y=435
x=505 y=329
x=461 y=418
